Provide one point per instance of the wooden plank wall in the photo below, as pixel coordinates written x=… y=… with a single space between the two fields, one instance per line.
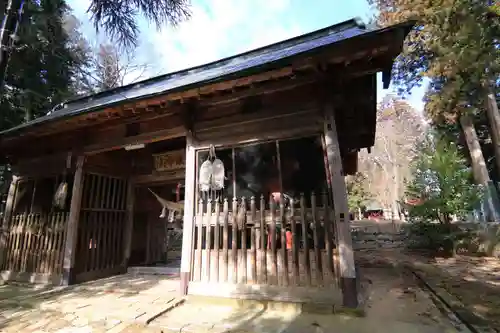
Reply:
x=35 y=245
x=101 y=228
x=230 y=246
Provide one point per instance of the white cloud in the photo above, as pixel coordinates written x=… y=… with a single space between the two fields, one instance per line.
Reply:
x=223 y=30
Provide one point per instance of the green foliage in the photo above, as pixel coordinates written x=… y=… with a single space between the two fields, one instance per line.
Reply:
x=42 y=66
x=443 y=183
x=441 y=239
x=356 y=191
x=454 y=44
x=119 y=17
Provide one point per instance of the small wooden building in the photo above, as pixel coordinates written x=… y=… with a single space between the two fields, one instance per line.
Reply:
x=285 y=120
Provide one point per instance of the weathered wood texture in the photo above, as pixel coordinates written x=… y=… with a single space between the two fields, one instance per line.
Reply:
x=353 y=57
x=257 y=250
x=103 y=220
x=35 y=245
x=70 y=241
x=227 y=115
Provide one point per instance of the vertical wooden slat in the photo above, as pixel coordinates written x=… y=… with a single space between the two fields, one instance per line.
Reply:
x=305 y=239
x=189 y=210
x=15 y=242
x=89 y=222
x=129 y=224
x=63 y=219
x=50 y=248
x=106 y=247
x=234 y=241
x=263 y=238
x=27 y=242
x=199 y=244
x=42 y=238
x=57 y=255
x=243 y=276
x=117 y=238
x=328 y=235
x=70 y=242
x=112 y=251
x=120 y=194
x=13 y=251
x=317 y=250
x=273 y=236
x=96 y=195
x=295 y=245
x=217 y=240
x=225 y=240
x=16 y=259
x=347 y=268
x=95 y=230
x=109 y=247
x=284 y=250
x=208 y=236
x=7 y=227
x=253 y=245
x=101 y=250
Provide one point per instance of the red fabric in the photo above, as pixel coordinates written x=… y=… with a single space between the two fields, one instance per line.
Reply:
x=289 y=240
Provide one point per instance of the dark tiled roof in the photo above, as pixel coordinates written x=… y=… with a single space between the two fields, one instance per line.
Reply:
x=221 y=70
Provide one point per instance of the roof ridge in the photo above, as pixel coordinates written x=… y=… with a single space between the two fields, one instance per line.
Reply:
x=344 y=25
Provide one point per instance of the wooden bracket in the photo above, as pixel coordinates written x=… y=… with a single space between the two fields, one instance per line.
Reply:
x=189 y=116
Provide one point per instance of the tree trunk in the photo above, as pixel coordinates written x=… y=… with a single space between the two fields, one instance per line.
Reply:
x=479 y=169
x=395 y=189
x=494 y=121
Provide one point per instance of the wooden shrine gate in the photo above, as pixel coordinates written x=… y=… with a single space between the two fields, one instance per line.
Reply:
x=255 y=256
x=99 y=251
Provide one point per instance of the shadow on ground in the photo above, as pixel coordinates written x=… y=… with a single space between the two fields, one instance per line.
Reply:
x=106 y=302
x=393 y=302
x=474 y=281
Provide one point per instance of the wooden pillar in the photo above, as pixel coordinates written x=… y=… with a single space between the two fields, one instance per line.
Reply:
x=72 y=225
x=189 y=205
x=129 y=223
x=342 y=225
x=9 y=206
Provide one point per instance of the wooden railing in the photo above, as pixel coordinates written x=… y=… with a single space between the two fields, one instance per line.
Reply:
x=35 y=243
x=289 y=244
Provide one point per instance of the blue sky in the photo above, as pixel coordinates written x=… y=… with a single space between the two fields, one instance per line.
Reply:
x=221 y=28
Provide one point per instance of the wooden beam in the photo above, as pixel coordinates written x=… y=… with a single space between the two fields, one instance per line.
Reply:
x=159 y=177
x=189 y=206
x=9 y=206
x=119 y=143
x=385 y=44
x=343 y=231
x=72 y=225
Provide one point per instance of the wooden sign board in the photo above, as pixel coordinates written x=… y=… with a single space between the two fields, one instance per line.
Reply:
x=169 y=161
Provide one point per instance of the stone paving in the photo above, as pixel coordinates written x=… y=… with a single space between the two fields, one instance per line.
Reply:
x=126 y=303
x=109 y=305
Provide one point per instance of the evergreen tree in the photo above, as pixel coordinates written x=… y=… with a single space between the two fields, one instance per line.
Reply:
x=118 y=17
x=43 y=64
x=442 y=182
x=357 y=194
x=455 y=44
